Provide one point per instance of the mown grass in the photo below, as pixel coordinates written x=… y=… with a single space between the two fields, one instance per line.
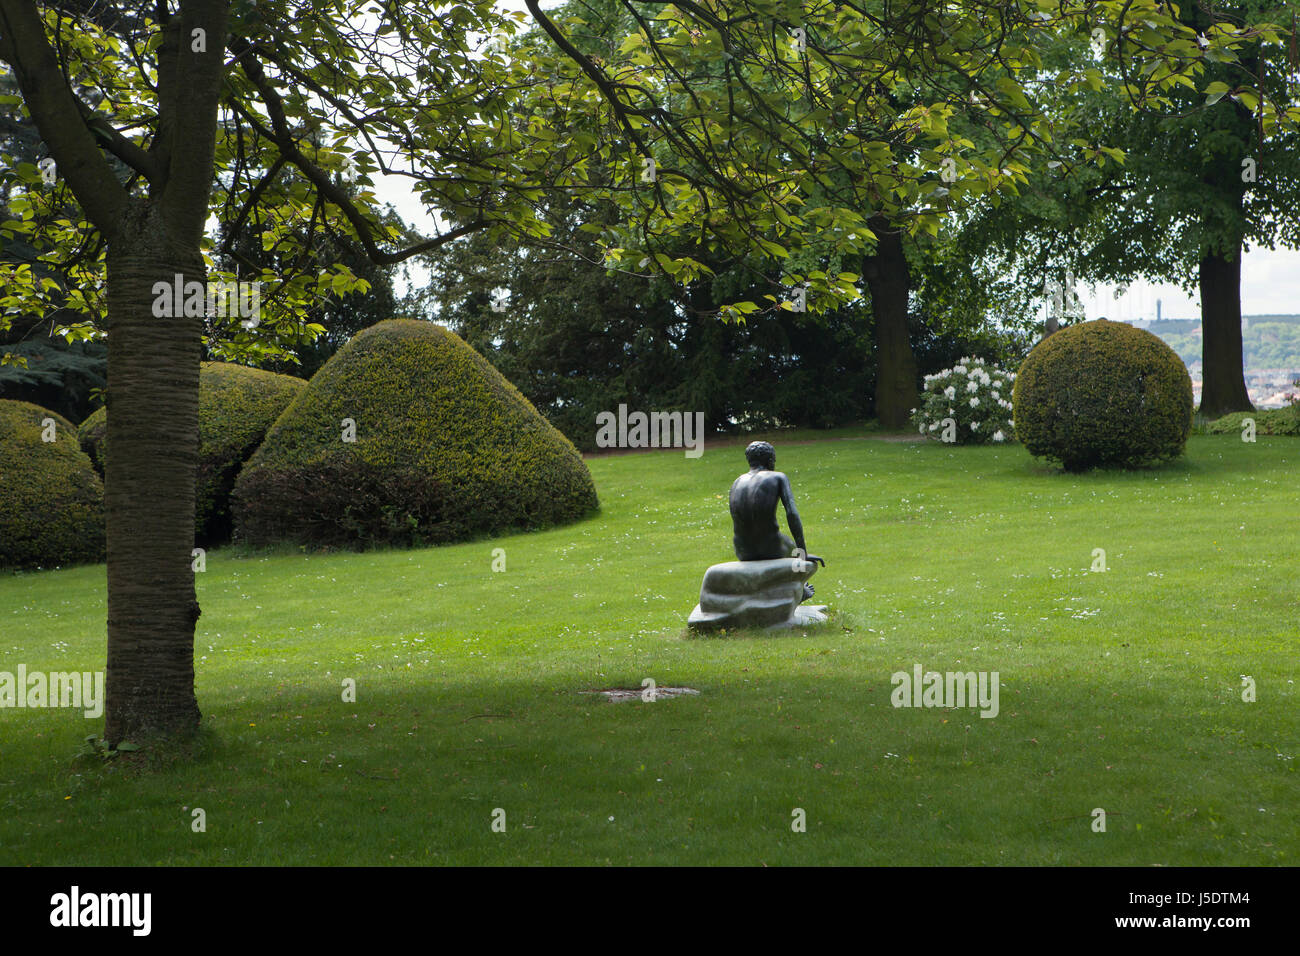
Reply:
x=1119 y=690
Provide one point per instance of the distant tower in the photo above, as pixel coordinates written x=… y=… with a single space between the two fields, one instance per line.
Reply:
x=1157 y=310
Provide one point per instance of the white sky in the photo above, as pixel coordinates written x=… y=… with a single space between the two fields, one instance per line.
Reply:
x=1270 y=285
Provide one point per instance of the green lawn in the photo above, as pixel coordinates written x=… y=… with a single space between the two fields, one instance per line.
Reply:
x=1119 y=690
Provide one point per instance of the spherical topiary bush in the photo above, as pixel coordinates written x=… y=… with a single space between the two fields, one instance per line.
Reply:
x=51 y=500
x=408 y=436
x=1103 y=393
x=237 y=405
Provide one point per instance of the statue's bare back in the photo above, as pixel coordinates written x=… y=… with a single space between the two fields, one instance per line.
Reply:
x=753 y=501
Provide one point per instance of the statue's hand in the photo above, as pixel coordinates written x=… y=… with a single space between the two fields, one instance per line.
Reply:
x=813 y=557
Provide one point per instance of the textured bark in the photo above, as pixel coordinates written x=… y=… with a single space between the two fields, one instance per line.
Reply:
x=1223 y=387
x=153 y=434
x=889 y=281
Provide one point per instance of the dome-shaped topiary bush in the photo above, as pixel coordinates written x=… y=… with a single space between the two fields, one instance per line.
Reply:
x=51 y=500
x=91 y=434
x=1103 y=393
x=443 y=448
x=237 y=405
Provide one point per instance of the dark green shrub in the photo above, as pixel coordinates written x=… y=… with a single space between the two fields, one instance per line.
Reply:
x=353 y=503
x=1269 y=421
x=91 y=435
x=1103 y=393
x=51 y=500
x=237 y=405
x=446 y=449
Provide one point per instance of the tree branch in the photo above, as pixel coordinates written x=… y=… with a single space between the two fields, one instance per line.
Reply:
x=56 y=113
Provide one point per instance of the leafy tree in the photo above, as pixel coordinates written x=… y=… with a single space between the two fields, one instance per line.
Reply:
x=577 y=342
x=1204 y=175
x=35 y=365
x=837 y=125
x=327 y=325
x=1205 y=182
x=292 y=84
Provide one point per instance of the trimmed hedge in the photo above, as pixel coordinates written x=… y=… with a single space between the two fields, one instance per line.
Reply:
x=51 y=500
x=1103 y=393
x=237 y=405
x=445 y=449
x=1268 y=421
x=92 y=435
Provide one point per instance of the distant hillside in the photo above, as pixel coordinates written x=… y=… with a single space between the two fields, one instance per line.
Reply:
x=1269 y=341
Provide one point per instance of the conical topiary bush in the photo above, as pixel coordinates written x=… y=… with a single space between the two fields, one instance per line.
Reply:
x=408 y=436
x=51 y=500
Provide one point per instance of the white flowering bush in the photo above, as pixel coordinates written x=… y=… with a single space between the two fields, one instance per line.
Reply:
x=968 y=404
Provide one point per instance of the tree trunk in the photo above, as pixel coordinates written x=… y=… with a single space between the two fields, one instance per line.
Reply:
x=890 y=282
x=152 y=452
x=1223 y=388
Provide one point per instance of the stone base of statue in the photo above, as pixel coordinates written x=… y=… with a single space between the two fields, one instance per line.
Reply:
x=756 y=594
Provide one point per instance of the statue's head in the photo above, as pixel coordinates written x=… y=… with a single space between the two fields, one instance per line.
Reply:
x=760 y=454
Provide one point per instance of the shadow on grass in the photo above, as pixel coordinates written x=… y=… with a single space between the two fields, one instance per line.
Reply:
x=413 y=771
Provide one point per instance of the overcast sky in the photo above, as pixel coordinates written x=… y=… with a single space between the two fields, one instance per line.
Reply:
x=1270 y=285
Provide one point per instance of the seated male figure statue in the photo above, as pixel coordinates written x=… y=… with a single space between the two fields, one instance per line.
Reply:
x=754 y=496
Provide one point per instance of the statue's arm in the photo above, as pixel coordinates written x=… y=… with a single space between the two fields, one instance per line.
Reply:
x=792 y=514
x=792 y=519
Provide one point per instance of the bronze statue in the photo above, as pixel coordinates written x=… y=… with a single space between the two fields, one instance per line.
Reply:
x=767 y=586
x=753 y=500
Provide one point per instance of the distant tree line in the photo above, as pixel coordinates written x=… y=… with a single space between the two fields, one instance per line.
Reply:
x=1267 y=342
